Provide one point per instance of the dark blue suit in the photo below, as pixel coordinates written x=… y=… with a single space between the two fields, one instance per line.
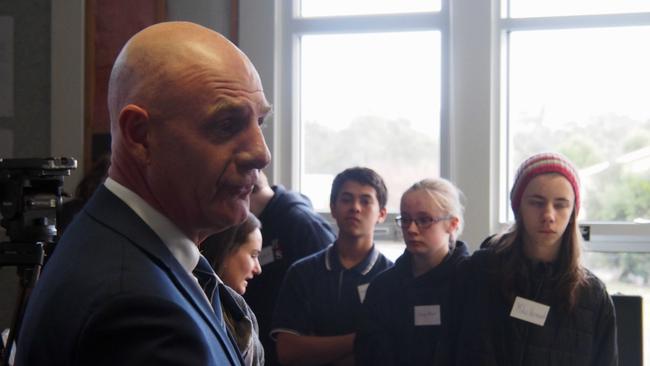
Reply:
x=113 y=294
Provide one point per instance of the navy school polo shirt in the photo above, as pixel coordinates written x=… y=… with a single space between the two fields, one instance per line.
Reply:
x=319 y=297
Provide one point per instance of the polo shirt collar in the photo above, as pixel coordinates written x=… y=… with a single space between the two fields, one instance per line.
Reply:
x=333 y=263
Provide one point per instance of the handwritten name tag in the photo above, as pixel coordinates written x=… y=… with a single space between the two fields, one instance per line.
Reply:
x=530 y=311
x=266 y=256
x=362 y=289
x=426 y=315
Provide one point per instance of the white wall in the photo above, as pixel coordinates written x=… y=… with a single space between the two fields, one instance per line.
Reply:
x=67 y=98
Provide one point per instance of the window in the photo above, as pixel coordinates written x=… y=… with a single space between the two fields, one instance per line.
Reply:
x=367 y=87
x=579 y=88
x=369 y=99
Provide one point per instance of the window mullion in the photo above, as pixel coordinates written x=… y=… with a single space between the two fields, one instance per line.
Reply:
x=578 y=21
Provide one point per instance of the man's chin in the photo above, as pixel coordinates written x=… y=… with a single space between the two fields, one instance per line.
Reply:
x=226 y=217
x=239 y=212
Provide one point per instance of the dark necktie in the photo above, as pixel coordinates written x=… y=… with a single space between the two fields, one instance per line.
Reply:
x=212 y=287
x=209 y=283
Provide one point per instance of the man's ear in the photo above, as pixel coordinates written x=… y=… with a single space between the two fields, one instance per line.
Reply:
x=134 y=126
x=382 y=215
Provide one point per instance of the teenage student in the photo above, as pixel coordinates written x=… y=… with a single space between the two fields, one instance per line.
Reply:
x=408 y=307
x=316 y=314
x=234 y=254
x=529 y=299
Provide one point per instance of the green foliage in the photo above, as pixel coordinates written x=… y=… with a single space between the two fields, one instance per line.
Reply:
x=390 y=147
x=621 y=197
x=635 y=268
x=363 y=142
x=637 y=141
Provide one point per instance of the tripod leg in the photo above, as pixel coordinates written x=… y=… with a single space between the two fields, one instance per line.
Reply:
x=27 y=278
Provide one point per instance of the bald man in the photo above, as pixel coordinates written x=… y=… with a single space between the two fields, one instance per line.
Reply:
x=186 y=107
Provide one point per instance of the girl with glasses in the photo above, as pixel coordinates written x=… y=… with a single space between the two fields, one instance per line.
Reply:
x=407 y=308
x=529 y=300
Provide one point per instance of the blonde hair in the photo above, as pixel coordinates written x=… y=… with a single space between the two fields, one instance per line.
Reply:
x=447 y=197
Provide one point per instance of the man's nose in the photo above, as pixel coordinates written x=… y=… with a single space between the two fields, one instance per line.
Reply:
x=256 y=154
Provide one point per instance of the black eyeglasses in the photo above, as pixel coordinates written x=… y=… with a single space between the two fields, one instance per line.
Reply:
x=423 y=222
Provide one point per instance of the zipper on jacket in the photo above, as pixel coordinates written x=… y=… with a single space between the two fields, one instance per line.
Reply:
x=536 y=296
x=340 y=287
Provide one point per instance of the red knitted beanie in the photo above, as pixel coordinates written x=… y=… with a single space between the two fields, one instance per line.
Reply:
x=543 y=163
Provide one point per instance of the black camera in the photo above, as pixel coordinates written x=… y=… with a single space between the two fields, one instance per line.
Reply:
x=30 y=196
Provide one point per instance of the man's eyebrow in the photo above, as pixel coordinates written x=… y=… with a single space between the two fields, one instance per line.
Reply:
x=231 y=106
x=266 y=109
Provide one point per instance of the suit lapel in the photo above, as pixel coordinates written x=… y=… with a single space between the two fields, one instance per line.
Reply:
x=108 y=209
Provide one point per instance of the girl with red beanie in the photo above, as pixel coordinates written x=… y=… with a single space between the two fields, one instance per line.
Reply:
x=528 y=299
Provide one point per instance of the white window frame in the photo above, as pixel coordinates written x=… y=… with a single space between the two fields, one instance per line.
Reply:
x=604 y=236
x=473 y=133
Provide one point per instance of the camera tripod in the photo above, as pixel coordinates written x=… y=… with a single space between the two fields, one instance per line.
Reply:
x=30 y=201
x=28 y=258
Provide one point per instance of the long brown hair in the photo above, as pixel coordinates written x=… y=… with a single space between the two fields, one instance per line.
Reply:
x=570 y=276
x=216 y=248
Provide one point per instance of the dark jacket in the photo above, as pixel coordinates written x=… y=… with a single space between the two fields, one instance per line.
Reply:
x=490 y=336
x=113 y=294
x=388 y=334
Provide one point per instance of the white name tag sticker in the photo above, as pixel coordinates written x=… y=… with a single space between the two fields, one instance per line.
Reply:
x=362 y=291
x=266 y=255
x=529 y=311
x=426 y=315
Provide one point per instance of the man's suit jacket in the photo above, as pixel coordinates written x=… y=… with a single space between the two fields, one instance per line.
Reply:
x=113 y=294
